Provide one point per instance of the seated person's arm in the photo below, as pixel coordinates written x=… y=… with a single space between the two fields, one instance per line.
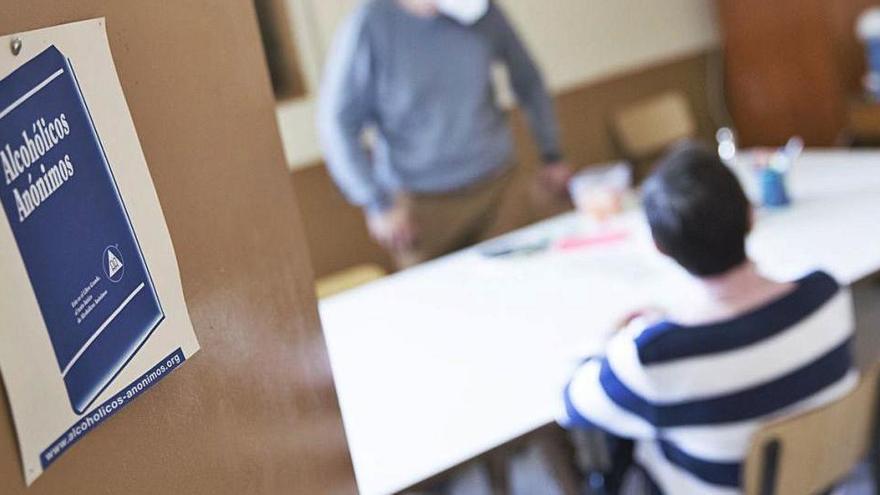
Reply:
x=598 y=396
x=529 y=87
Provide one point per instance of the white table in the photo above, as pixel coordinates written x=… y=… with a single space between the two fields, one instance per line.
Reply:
x=441 y=363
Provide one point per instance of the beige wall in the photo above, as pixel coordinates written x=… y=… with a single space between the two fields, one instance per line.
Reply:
x=575 y=41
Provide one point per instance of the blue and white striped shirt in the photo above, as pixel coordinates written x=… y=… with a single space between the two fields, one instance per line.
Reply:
x=692 y=396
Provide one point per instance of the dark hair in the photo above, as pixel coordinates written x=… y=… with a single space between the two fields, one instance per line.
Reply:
x=697 y=210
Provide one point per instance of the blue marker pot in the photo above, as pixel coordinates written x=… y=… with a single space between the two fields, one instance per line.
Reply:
x=774 y=193
x=872 y=51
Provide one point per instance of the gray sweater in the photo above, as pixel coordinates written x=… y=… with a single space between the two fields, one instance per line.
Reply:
x=426 y=86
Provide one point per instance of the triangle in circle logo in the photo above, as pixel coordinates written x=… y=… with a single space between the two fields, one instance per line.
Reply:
x=114 y=264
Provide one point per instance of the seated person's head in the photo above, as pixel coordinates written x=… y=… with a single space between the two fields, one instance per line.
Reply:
x=698 y=212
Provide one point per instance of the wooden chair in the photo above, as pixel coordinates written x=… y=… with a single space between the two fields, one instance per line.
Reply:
x=645 y=129
x=348 y=279
x=810 y=453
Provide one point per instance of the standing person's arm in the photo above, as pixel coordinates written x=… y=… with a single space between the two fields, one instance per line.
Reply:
x=532 y=94
x=346 y=108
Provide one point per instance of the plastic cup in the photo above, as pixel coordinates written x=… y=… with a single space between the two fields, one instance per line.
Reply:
x=598 y=192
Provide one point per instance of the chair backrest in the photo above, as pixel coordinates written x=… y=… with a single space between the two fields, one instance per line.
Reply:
x=646 y=128
x=348 y=279
x=811 y=452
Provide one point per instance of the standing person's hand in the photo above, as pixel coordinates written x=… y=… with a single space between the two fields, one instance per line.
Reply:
x=554 y=177
x=393 y=228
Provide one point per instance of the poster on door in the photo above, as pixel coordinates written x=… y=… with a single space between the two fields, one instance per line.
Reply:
x=92 y=312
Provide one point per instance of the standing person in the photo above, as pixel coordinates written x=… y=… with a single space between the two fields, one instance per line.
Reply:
x=420 y=73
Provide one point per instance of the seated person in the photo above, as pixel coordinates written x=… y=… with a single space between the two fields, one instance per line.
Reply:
x=691 y=387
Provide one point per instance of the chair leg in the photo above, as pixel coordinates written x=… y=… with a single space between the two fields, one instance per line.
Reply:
x=874 y=452
x=559 y=454
x=496 y=466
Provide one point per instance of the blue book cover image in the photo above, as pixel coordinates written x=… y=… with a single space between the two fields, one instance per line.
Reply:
x=73 y=233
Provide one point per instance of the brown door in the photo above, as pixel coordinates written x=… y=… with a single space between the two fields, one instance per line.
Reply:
x=782 y=70
x=254 y=412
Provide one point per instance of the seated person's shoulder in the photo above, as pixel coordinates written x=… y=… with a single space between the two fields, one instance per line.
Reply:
x=816 y=299
x=820 y=282
x=815 y=294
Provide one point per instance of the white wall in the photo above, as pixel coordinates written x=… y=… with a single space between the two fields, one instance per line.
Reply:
x=575 y=41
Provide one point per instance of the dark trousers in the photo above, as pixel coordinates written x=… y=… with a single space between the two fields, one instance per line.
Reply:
x=618 y=468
